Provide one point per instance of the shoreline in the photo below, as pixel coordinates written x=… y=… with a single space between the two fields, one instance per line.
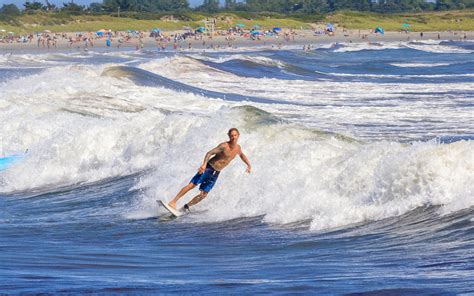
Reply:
x=292 y=38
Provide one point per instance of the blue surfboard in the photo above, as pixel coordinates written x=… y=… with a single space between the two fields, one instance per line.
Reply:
x=7 y=161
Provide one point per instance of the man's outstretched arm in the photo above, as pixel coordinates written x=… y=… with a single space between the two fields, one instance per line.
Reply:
x=246 y=161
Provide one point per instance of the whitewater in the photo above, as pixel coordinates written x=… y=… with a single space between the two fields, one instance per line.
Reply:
x=362 y=179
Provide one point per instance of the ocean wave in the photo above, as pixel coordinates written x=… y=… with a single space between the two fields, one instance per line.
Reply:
x=398 y=76
x=419 y=65
x=354 y=47
x=299 y=175
x=437 y=48
x=432 y=46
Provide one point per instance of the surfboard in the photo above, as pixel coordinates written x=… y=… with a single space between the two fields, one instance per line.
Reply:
x=176 y=213
x=7 y=161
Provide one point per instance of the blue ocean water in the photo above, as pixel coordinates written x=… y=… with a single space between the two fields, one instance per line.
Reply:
x=362 y=177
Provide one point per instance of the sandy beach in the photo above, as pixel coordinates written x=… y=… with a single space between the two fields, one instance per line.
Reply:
x=285 y=38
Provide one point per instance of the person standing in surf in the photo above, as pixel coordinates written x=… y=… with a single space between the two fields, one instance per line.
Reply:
x=210 y=169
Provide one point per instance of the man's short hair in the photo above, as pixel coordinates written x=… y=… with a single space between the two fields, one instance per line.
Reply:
x=233 y=129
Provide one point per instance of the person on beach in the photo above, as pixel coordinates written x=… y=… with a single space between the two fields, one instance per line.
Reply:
x=210 y=169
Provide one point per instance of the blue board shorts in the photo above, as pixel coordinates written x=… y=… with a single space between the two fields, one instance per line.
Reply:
x=206 y=179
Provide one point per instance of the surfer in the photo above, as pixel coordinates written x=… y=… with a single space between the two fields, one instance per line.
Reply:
x=210 y=169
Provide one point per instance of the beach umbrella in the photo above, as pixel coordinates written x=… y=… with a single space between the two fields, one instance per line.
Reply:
x=277 y=29
x=156 y=30
x=379 y=30
x=240 y=25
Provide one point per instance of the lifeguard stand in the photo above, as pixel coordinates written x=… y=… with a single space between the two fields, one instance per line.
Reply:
x=210 y=25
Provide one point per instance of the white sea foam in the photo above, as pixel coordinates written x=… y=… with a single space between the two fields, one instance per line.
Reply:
x=372 y=104
x=351 y=47
x=82 y=126
x=298 y=175
x=427 y=46
x=255 y=59
x=437 y=48
x=419 y=65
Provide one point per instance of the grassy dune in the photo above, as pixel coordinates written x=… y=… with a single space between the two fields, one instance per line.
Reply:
x=429 y=21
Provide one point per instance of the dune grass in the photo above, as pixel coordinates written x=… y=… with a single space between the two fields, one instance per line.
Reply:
x=58 y=22
x=428 y=21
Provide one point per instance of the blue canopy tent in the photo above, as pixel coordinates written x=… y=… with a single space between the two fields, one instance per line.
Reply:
x=155 y=33
x=379 y=30
x=254 y=32
x=100 y=33
x=200 y=30
x=277 y=29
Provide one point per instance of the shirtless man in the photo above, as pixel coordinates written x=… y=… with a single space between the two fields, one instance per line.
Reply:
x=207 y=174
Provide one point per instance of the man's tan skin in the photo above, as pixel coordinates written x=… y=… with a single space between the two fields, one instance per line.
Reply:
x=224 y=153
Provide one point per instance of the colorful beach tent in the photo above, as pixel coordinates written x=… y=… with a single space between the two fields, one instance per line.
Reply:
x=254 y=32
x=379 y=30
x=200 y=30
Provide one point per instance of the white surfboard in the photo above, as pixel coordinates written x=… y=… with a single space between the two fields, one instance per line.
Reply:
x=176 y=213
